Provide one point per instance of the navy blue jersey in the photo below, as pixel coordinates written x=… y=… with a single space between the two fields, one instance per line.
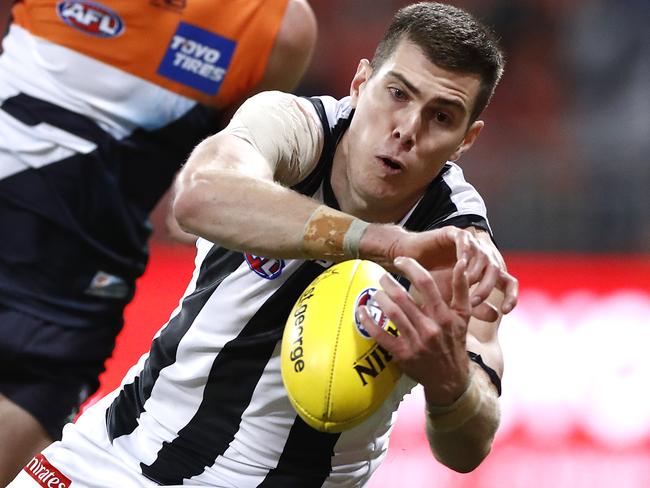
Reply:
x=100 y=104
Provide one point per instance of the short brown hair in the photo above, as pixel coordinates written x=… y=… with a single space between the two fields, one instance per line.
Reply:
x=452 y=39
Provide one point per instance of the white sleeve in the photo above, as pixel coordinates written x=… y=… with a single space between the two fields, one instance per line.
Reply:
x=285 y=129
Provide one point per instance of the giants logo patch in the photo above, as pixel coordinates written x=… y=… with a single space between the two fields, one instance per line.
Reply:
x=90 y=17
x=46 y=475
x=380 y=318
x=197 y=58
x=267 y=268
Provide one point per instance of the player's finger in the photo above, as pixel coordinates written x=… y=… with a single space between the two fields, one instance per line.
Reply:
x=486 y=284
x=422 y=281
x=510 y=287
x=383 y=338
x=400 y=308
x=463 y=241
x=476 y=264
x=460 y=288
x=425 y=318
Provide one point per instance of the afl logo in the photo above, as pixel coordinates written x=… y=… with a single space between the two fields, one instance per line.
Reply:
x=90 y=17
x=267 y=268
x=380 y=318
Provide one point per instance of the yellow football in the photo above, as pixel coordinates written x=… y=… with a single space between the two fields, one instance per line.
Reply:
x=335 y=374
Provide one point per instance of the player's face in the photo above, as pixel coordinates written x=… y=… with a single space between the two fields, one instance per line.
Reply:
x=411 y=117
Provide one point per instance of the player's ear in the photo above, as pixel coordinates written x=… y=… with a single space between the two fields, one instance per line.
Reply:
x=467 y=142
x=364 y=70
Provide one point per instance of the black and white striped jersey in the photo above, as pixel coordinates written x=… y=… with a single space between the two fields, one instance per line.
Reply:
x=207 y=404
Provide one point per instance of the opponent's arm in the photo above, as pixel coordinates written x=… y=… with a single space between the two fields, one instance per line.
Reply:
x=292 y=50
x=5 y=15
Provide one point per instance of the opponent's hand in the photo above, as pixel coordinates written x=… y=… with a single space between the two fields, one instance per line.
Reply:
x=431 y=347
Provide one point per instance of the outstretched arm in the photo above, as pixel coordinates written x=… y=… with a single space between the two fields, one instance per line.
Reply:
x=234 y=191
x=436 y=332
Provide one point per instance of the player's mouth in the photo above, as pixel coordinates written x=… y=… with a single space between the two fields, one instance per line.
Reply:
x=393 y=166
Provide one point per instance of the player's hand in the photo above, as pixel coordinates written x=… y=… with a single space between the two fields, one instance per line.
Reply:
x=439 y=249
x=431 y=346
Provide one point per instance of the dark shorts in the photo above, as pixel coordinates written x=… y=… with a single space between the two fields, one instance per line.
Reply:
x=50 y=370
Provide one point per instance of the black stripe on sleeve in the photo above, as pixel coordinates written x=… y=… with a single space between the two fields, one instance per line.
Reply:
x=468 y=220
x=123 y=414
x=471 y=220
x=312 y=182
x=232 y=380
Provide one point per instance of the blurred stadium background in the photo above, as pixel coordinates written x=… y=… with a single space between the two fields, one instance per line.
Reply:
x=563 y=166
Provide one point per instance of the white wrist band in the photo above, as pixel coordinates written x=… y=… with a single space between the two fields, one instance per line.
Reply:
x=352 y=238
x=451 y=417
x=334 y=235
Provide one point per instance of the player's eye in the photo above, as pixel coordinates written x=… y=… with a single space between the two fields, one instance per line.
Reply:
x=443 y=118
x=397 y=93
